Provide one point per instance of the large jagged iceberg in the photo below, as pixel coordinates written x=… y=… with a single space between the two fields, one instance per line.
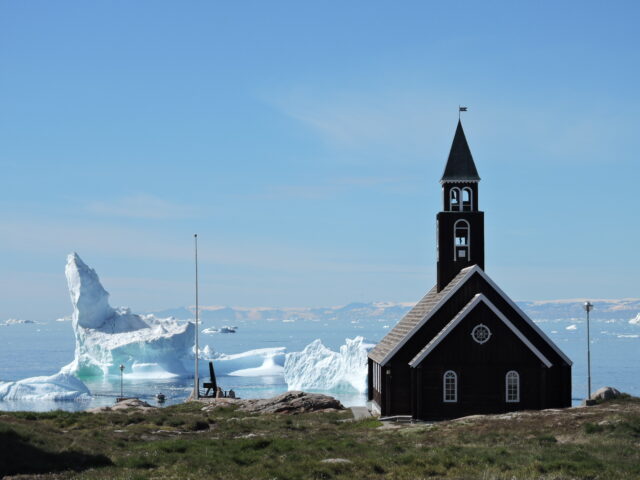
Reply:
x=107 y=337
x=58 y=387
x=319 y=368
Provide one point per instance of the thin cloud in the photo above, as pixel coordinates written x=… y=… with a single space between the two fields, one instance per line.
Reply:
x=57 y=238
x=399 y=120
x=142 y=206
x=407 y=124
x=335 y=186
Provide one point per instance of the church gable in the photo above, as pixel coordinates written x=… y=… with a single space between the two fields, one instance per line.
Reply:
x=480 y=332
x=521 y=320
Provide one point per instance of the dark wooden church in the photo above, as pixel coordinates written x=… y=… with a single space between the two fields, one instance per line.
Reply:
x=466 y=347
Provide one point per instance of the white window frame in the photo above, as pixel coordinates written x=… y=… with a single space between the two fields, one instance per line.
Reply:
x=467 y=247
x=459 y=206
x=450 y=374
x=376 y=377
x=512 y=374
x=470 y=192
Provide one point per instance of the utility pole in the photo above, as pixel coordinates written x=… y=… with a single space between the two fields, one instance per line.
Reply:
x=196 y=387
x=588 y=307
x=121 y=386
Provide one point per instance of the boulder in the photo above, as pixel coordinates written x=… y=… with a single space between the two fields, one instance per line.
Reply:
x=292 y=402
x=605 y=393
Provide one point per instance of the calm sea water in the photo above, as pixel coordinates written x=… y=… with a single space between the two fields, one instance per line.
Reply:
x=30 y=350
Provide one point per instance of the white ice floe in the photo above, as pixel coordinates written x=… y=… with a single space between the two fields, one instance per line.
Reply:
x=107 y=337
x=58 y=387
x=318 y=368
x=16 y=321
x=225 y=329
x=636 y=320
x=572 y=327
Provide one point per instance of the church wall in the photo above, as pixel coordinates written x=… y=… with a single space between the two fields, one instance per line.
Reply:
x=480 y=370
x=399 y=388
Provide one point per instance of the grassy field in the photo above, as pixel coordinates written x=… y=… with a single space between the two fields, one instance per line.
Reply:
x=600 y=442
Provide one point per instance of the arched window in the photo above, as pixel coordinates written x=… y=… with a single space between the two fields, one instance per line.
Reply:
x=512 y=387
x=467 y=199
x=450 y=387
x=454 y=199
x=461 y=241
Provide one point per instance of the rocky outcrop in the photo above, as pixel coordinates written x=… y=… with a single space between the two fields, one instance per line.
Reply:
x=125 y=404
x=605 y=393
x=293 y=402
x=289 y=402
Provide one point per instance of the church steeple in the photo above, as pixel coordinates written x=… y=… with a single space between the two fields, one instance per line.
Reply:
x=461 y=223
x=460 y=166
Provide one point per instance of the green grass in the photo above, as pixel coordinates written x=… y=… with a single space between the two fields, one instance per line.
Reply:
x=185 y=442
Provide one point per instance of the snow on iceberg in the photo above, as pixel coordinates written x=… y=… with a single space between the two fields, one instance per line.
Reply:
x=253 y=363
x=107 y=337
x=58 y=387
x=318 y=368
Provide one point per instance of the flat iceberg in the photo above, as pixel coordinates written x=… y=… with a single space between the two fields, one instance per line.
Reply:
x=319 y=368
x=58 y=387
x=225 y=329
x=16 y=321
x=107 y=337
x=253 y=363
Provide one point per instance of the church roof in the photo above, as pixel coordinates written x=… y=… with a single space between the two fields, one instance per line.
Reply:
x=460 y=166
x=430 y=304
x=404 y=328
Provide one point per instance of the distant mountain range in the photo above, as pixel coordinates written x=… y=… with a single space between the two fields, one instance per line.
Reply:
x=626 y=308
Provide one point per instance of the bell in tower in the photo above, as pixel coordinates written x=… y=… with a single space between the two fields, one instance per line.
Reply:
x=460 y=223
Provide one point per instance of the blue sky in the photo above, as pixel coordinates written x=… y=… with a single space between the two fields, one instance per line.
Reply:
x=304 y=142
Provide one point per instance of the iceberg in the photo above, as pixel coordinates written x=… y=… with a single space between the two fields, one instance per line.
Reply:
x=319 y=368
x=225 y=329
x=58 y=387
x=16 y=321
x=253 y=363
x=108 y=337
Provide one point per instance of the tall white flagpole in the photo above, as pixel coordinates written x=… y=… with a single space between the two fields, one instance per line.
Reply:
x=196 y=390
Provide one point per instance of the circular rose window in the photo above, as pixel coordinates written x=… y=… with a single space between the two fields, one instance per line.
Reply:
x=481 y=333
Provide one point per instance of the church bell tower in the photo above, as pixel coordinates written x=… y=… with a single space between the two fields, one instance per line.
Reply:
x=460 y=223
